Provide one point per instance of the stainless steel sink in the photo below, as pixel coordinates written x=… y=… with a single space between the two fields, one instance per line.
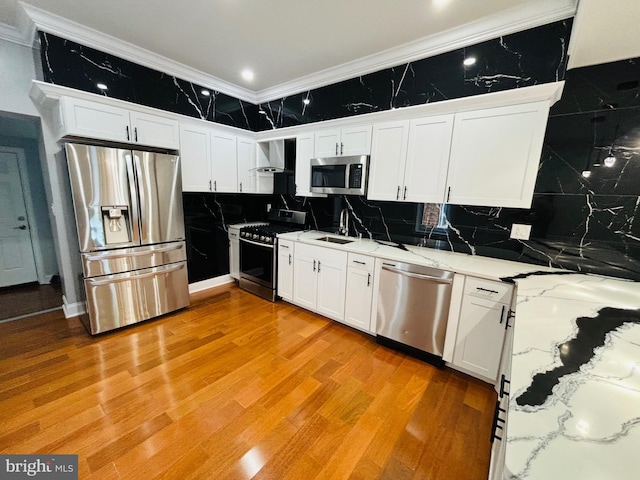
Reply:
x=341 y=241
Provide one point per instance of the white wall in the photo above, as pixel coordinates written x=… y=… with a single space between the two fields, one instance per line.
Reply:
x=17 y=70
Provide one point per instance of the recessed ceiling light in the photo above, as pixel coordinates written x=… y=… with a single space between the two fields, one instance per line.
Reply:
x=586 y=173
x=306 y=101
x=247 y=74
x=469 y=61
x=206 y=93
x=102 y=86
x=610 y=161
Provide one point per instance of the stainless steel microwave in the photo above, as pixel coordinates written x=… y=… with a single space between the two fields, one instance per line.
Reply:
x=343 y=175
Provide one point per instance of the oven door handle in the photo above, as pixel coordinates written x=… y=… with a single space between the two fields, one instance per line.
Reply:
x=256 y=243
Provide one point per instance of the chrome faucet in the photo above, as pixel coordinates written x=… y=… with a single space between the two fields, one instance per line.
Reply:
x=343 y=229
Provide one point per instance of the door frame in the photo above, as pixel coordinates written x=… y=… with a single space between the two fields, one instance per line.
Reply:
x=34 y=232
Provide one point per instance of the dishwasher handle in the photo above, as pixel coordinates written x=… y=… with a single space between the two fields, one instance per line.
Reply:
x=391 y=268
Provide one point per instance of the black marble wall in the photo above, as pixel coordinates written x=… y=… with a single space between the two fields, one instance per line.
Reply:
x=521 y=59
x=73 y=65
x=579 y=223
x=530 y=57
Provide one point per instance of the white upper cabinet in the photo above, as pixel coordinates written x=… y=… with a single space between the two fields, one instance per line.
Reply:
x=343 y=142
x=304 y=154
x=195 y=157
x=495 y=155
x=224 y=163
x=154 y=130
x=246 y=165
x=388 y=158
x=215 y=161
x=83 y=118
x=425 y=174
x=409 y=159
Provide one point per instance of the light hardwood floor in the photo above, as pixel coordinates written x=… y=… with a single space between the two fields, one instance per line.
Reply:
x=235 y=387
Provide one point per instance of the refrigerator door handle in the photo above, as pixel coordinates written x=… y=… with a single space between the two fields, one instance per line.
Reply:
x=126 y=277
x=120 y=254
x=133 y=193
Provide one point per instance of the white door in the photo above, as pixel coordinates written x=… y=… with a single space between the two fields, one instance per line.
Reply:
x=154 y=130
x=356 y=140
x=425 y=176
x=17 y=264
x=224 y=162
x=246 y=165
x=305 y=279
x=285 y=270
x=495 y=155
x=332 y=279
x=358 y=302
x=388 y=156
x=195 y=158
x=327 y=143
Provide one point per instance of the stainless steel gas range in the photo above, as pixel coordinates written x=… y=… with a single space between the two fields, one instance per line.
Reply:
x=258 y=251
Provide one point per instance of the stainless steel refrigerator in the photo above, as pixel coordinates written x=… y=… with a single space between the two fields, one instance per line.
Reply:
x=128 y=207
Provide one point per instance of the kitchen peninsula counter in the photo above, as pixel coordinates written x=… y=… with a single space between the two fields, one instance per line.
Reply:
x=574 y=407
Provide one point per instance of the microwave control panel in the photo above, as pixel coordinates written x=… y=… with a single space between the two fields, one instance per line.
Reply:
x=355 y=176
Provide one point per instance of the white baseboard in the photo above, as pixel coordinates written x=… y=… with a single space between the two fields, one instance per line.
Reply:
x=72 y=309
x=210 y=283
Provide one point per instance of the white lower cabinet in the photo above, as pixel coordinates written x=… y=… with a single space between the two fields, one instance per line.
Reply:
x=320 y=279
x=481 y=327
x=357 y=312
x=285 y=269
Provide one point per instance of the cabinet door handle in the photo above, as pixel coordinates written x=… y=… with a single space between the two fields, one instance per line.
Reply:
x=405 y=193
x=368 y=279
x=240 y=187
x=496 y=421
x=398 y=193
x=318 y=266
x=289 y=259
x=502 y=315
x=209 y=185
x=341 y=148
x=215 y=186
x=448 y=194
x=314 y=265
x=503 y=382
x=336 y=148
x=135 y=133
x=128 y=133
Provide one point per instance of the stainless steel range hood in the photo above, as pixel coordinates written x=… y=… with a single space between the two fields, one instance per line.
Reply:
x=271 y=157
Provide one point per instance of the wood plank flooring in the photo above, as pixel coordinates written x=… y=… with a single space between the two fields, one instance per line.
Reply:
x=235 y=387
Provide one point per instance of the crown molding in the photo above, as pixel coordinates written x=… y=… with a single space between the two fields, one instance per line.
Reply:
x=513 y=20
x=23 y=33
x=56 y=25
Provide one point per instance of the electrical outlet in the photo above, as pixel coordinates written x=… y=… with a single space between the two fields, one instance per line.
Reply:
x=268 y=207
x=520 y=231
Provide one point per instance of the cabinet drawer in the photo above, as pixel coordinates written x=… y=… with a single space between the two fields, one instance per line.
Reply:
x=285 y=246
x=489 y=290
x=362 y=262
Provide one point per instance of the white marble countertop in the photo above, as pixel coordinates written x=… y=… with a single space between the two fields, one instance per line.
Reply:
x=580 y=417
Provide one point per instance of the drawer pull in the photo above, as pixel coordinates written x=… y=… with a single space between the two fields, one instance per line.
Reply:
x=487 y=290
x=368 y=279
x=359 y=262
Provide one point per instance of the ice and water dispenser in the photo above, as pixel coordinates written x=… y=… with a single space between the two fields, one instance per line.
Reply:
x=116 y=224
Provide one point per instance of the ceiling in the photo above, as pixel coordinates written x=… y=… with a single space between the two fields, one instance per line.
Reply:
x=288 y=44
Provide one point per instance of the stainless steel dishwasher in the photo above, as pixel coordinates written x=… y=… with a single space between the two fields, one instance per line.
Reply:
x=413 y=308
